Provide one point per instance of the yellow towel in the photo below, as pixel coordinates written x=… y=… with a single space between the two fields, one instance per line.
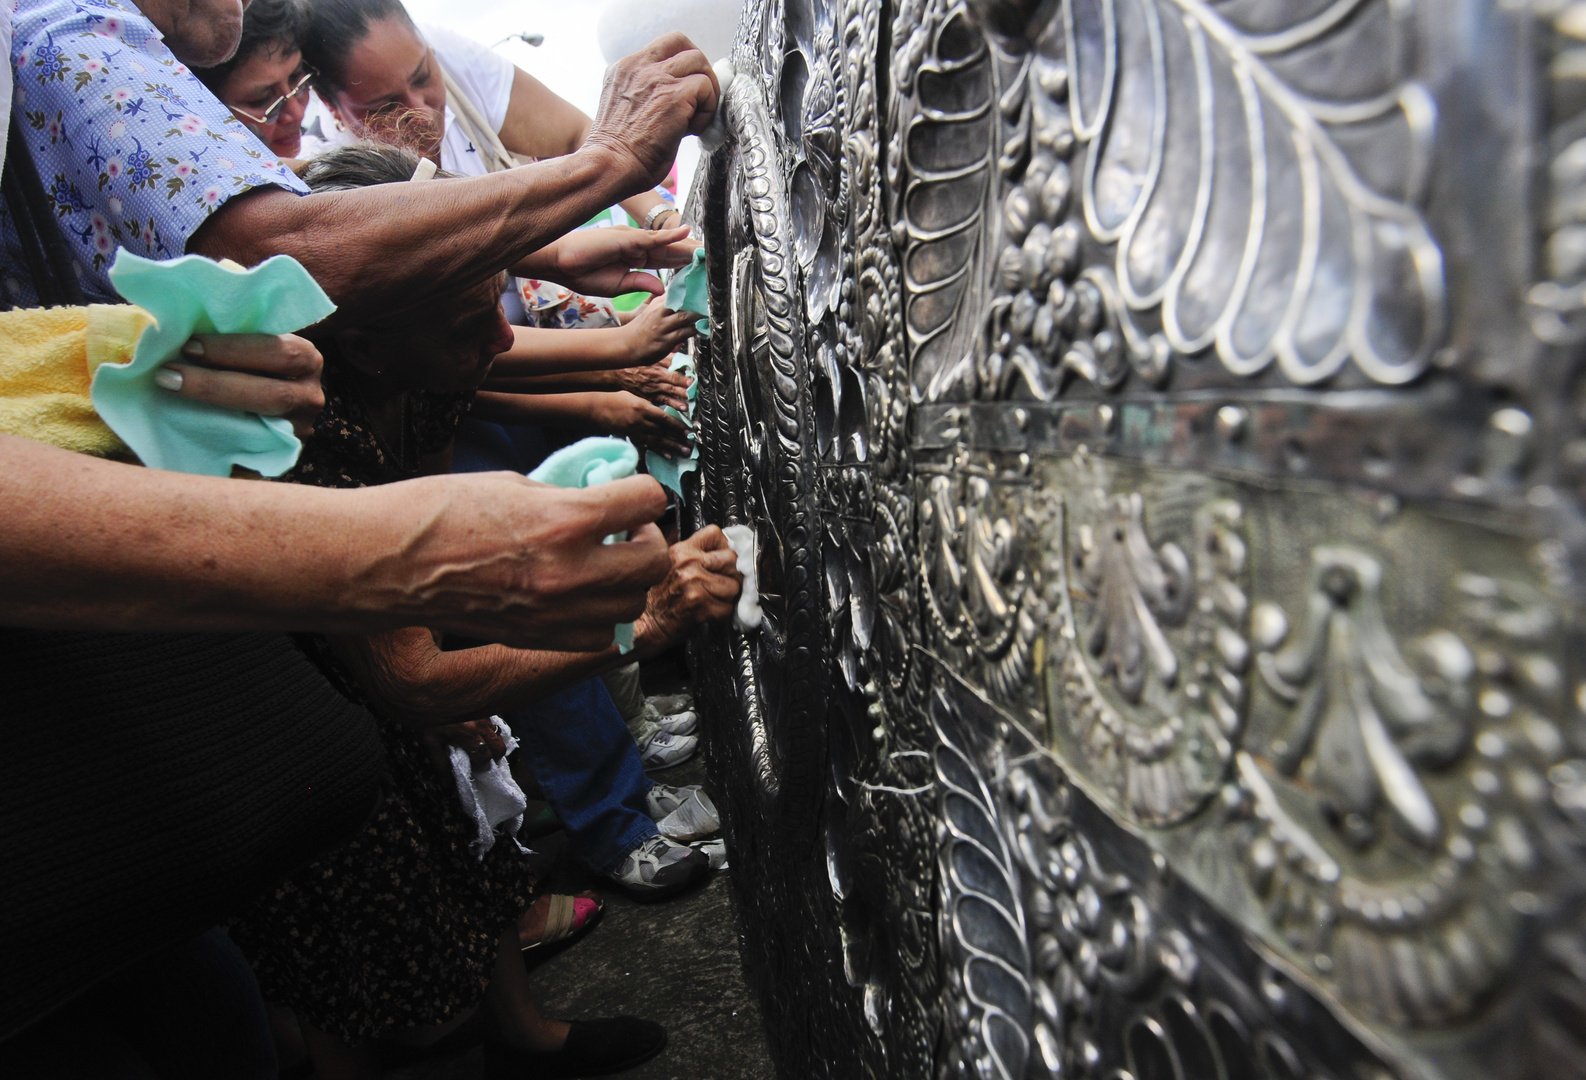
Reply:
x=48 y=357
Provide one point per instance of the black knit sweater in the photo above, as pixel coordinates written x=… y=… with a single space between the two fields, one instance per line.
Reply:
x=149 y=785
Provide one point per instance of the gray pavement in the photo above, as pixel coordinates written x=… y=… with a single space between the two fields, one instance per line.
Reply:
x=675 y=962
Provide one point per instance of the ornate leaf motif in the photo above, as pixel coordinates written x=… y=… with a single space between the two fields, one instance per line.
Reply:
x=1413 y=924
x=980 y=597
x=1136 y=589
x=1149 y=663
x=1235 y=207
x=943 y=150
x=1359 y=714
x=983 y=927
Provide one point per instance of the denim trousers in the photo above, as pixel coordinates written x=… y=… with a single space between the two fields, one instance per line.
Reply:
x=575 y=741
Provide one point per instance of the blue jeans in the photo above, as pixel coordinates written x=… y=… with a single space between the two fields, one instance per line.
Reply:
x=575 y=741
x=580 y=751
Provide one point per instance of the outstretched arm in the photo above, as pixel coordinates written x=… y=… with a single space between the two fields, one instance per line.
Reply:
x=653 y=336
x=620 y=413
x=542 y=124
x=409 y=674
x=95 y=544
x=393 y=244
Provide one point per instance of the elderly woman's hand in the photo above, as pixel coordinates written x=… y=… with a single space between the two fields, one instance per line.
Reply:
x=702 y=586
x=650 y=101
x=498 y=556
x=658 y=384
x=479 y=739
x=268 y=374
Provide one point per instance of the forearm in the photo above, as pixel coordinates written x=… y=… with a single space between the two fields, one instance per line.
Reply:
x=538 y=352
x=450 y=687
x=95 y=544
x=640 y=205
x=570 y=382
x=562 y=410
x=419 y=683
x=392 y=244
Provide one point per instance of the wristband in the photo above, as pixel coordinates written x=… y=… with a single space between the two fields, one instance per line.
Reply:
x=655 y=214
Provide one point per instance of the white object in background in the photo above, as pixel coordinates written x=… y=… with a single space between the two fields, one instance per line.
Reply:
x=626 y=26
x=748 y=615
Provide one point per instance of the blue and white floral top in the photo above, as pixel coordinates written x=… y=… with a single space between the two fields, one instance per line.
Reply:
x=132 y=149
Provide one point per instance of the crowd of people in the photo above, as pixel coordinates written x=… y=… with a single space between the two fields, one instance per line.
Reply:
x=260 y=730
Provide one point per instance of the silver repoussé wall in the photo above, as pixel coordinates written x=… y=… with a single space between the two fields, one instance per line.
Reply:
x=1164 y=427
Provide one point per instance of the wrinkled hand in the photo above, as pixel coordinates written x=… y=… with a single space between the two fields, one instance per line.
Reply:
x=478 y=738
x=632 y=417
x=702 y=586
x=268 y=374
x=657 y=384
x=657 y=332
x=606 y=262
x=500 y=557
x=650 y=101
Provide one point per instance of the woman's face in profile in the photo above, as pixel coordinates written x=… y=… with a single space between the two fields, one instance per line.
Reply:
x=454 y=351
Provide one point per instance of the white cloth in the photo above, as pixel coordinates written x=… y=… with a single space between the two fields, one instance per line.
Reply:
x=748 y=614
x=486 y=77
x=490 y=796
x=483 y=74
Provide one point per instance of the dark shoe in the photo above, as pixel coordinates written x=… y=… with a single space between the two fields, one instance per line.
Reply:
x=593 y=1048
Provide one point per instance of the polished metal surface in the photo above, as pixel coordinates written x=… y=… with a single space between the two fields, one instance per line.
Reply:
x=1164 y=428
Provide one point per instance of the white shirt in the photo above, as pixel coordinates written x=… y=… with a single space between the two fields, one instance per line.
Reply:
x=484 y=75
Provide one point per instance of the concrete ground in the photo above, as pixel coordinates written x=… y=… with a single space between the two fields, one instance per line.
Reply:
x=675 y=962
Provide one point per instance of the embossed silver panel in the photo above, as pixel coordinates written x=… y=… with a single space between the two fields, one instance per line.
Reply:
x=1164 y=427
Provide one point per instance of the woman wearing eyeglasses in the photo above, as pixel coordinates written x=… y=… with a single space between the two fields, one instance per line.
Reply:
x=266 y=84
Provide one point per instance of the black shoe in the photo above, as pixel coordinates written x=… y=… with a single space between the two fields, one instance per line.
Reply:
x=593 y=1048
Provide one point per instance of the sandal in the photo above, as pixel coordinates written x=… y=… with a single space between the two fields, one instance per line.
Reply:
x=566 y=916
x=593 y=1048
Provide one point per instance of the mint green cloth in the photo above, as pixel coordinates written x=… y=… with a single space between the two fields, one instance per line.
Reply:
x=669 y=471
x=689 y=290
x=588 y=462
x=194 y=295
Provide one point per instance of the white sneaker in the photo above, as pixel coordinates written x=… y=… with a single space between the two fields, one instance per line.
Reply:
x=662 y=749
x=678 y=722
x=683 y=723
x=684 y=814
x=659 y=867
x=669 y=704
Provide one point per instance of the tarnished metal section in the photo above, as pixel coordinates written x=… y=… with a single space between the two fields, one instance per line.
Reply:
x=1163 y=422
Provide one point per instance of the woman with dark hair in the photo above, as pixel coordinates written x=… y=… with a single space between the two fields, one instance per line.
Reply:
x=487 y=114
x=265 y=84
x=409 y=927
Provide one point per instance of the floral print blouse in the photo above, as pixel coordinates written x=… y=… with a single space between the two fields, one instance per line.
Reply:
x=130 y=147
x=554 y=307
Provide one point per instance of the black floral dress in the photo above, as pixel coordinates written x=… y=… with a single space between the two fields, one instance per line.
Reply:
x=400 y=927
